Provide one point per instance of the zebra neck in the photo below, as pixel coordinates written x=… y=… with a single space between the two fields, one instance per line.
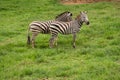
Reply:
x=80 y=22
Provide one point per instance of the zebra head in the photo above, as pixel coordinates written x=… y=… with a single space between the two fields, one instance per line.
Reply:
x=65 y=16
x=84 y=17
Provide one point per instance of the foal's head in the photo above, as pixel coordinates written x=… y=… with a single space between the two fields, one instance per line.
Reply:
x=83 y=17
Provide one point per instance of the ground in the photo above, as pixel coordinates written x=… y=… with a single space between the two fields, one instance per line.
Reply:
x=71 y=2
x=97 y=52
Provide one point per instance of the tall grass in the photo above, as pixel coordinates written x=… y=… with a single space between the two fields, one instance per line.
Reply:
x=96 y=57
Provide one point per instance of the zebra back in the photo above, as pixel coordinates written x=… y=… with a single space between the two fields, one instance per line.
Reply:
x=65 y=16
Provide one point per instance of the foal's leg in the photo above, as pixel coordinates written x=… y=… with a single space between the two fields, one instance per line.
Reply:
x=51 y=41
x=74 y=39
x=55 y=42
x=33 y=38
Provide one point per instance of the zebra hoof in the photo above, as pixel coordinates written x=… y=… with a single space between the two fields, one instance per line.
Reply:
x=74 y=46
x=33 y=47
x=50 y=46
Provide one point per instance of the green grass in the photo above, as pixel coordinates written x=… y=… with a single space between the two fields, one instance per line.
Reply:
x=97 y=53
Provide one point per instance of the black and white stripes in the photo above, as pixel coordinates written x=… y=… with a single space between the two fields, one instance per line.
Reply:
x=37 y=27
x=71 y=27
x=40 y=27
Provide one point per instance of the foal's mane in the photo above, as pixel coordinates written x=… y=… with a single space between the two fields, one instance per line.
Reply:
x=78 y=17
x=61 y=14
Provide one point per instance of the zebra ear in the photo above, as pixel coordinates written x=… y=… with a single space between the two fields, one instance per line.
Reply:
x=69 y=14
x=85 y=12
x=80 y=12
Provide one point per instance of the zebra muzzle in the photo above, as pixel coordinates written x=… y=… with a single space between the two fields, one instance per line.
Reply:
x=88 y=23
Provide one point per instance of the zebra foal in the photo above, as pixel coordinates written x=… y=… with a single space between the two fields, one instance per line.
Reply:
x=37 y=27
x=66 y=28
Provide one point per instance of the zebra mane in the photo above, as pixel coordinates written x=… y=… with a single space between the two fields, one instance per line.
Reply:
x=78 y=17
x=62 y=14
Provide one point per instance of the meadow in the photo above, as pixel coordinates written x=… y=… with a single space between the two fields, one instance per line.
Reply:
x=97 y=52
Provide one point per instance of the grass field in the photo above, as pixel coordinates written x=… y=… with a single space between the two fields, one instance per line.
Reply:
x=97 y=53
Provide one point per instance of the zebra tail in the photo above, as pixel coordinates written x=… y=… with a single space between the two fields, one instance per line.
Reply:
x=28 y=38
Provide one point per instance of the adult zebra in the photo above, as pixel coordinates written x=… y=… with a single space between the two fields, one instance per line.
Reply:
x=37 y=27
x=71 y=27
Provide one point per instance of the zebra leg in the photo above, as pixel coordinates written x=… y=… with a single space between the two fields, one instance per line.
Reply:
x=55 y=42
x=51 y=41
x=33 y=39
x=74 y=39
